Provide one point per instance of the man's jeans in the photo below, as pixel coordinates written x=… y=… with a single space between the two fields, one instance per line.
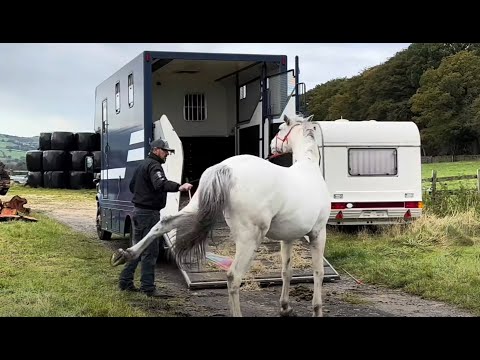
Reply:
x=143 y=221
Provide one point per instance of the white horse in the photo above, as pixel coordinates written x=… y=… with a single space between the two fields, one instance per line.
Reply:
x=258 y=199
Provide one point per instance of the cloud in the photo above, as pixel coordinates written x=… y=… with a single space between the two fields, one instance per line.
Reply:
x=51 y=87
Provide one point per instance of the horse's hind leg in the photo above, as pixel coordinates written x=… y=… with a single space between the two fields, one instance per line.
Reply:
x=247 y=241
x=317 y=247
x=286 y=252
x=164 y=226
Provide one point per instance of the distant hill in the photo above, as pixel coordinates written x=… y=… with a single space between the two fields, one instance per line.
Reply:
x=13 y=149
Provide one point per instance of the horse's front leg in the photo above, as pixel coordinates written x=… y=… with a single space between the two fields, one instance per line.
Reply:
x=286 y=252
x=317 y=247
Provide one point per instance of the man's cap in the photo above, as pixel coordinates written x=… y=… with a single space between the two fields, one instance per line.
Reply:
x=161 y=144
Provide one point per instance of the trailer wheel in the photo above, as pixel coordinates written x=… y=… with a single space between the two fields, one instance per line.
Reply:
x=102 y=234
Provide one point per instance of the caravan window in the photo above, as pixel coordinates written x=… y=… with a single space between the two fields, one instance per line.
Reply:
x=372 y=162
x=194 y=107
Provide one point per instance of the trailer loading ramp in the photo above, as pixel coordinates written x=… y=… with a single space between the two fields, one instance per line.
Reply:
x=203 y=276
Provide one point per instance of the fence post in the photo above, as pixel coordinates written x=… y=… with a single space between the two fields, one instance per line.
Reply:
x=434 y=183
x=478 y=180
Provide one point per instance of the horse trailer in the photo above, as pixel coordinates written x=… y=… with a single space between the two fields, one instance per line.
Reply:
x=218 y=105
x=209 y=106
x=373 y=171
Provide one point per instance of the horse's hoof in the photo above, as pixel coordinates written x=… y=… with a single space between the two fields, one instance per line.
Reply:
x=287 y=313
x=118 y=257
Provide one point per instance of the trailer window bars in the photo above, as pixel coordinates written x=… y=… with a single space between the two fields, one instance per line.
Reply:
x=194 y=107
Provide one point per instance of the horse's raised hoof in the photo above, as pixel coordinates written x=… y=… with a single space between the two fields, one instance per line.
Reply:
x=119 y=257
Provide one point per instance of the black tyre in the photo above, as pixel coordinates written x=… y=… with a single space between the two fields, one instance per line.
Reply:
x=102 y=234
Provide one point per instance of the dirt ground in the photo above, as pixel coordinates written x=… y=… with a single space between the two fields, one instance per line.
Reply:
x=342 y=298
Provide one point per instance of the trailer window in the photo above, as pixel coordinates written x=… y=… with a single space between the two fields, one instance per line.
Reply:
x=372 y=162
x=104 y=116
x=130 y=90
x=194 y=107
x=117 y=97
x=243 y=92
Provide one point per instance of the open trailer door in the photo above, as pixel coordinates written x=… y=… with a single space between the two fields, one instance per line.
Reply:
x=173 y=168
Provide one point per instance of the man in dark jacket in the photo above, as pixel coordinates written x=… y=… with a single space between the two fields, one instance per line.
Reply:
x=149 y=187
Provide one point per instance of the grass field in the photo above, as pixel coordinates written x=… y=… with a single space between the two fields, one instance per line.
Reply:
x=452 y=169
x=13 y=148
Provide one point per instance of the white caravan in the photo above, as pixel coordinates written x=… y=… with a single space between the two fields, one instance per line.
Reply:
x=373 y=171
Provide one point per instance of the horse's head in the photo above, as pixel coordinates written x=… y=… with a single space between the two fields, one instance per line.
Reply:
x=289 y=131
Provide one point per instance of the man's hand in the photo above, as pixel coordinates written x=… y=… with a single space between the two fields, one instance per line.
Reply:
x=185 y=187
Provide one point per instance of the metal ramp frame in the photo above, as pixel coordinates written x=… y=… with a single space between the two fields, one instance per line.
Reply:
x=197 y=277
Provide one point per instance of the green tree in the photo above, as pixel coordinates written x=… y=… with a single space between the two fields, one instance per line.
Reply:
x=446 y=104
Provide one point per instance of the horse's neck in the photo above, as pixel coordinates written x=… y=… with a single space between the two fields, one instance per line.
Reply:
x=306 y=150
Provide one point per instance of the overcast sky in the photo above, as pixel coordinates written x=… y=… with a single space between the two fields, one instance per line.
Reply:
x=51 y=87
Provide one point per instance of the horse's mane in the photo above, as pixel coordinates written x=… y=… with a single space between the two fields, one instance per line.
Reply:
x=298 y=118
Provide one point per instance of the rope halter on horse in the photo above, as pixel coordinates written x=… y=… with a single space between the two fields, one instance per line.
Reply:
x=283 y=141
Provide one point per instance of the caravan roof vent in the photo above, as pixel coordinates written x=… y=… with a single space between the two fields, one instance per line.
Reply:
x=342 y=120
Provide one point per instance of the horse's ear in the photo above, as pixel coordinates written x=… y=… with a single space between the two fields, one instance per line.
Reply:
x=310 y=118
x=286 y=119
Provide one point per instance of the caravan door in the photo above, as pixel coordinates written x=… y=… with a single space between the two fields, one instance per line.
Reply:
x=173 y=167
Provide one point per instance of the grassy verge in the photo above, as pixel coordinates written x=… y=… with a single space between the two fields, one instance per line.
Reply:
x=436 y=257
x=65 y=196
x=48 y=270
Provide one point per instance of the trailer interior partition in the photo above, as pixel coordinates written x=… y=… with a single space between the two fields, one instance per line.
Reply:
x=207 y=102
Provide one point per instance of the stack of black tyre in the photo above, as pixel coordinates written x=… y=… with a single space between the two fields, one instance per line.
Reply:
x=60 y=163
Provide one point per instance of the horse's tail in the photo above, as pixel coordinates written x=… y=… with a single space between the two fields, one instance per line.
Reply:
x=213 y=196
